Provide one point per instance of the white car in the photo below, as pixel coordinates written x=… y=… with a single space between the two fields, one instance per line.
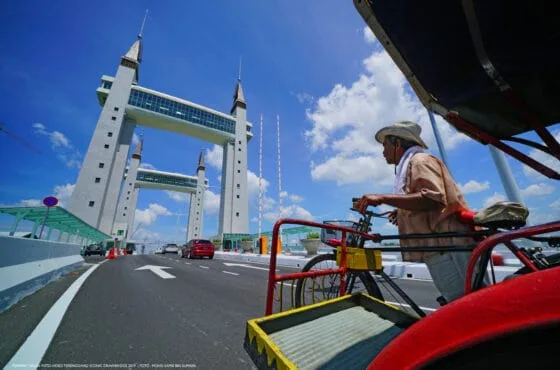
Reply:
x=171 y=248
x=159 y=251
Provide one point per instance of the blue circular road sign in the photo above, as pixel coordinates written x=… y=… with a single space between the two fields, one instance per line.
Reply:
x=50 y=201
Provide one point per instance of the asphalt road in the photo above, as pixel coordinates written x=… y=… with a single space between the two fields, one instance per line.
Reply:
x=126 y=316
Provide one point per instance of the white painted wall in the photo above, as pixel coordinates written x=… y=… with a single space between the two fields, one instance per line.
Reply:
x=27 y=265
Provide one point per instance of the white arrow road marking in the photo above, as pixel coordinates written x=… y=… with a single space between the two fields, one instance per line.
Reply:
x=158 y=270
x=203 y=267
x=247 y=266
x=231 y=273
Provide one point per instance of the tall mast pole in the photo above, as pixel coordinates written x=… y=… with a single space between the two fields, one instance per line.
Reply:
x=279 y=173
x=260 y=177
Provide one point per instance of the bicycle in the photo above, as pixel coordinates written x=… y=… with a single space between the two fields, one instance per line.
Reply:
x=365 y=281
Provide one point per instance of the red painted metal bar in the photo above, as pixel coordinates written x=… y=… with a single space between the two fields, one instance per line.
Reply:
x=272 y=269
x=523 y=258
x=494 y=240
x=484 y=137
x=533 y=120
x=273 y=278
x=343 y=265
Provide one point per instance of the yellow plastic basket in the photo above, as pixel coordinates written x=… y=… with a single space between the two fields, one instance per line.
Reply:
x=360 y=258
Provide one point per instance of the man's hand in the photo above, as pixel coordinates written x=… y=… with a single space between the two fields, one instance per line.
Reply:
x=368 y=200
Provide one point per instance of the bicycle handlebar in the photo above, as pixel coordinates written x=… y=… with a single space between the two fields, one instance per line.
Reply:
x=369 y=213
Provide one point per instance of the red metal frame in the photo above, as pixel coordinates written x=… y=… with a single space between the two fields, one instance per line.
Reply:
x=484 y=137
x=273 y=278
x=506 y=238
x=484 y=246
x=531 y=117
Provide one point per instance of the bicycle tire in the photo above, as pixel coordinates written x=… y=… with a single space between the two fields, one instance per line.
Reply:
x=367 y=280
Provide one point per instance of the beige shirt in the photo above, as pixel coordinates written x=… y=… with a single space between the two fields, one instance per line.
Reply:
x=429 y=176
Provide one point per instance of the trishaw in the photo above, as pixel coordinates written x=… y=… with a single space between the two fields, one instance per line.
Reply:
x=492 y=70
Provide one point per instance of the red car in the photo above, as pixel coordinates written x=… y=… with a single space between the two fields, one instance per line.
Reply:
x=198 y=248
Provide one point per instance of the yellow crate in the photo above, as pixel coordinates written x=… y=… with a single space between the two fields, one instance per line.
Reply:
x=360 y=258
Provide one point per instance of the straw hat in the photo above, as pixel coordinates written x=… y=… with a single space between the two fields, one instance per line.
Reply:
x=404 y=129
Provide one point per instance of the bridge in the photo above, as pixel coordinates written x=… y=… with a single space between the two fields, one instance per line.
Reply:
x=153 y=179
x=136 y=178
x=154 y=109
x=124 y=105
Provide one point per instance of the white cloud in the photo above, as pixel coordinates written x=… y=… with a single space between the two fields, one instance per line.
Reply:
x=61 y=145
x=292 y=211
x=555 y=204
x=147 y=166
x=148 y=216
x=369 y=37
x=178 y=196
x=345 y=170
x=72 y=160
x=135 y=139
x=63 y=193
x=474 y=187
x=253 y=184
x=295 y=211
x=305 y=98
x=543 y=158
x=253 y=191
x=537 y=190
x=142 y=234
x=344 y=123
x=60 y=192
x=283 y=194
x=214 y=156
x=57 y=138
x=496 y=197
x=211 y=202
x=296 y=198
x=31 y=203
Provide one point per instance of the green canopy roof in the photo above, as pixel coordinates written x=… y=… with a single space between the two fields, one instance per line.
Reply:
x=285 y=231
x=59 y=219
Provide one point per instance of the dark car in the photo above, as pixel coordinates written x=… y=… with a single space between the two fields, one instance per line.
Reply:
x=94 y=249
x=198 y=248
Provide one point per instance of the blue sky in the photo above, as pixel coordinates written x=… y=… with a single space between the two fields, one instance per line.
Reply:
x=328 y=79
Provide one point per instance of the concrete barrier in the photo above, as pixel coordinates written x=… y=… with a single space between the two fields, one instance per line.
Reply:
x=27 y=265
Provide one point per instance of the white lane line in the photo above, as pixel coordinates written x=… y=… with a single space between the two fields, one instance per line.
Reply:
x=287 y=284
x=407 y=305
x=265 y=264
x=231 y=273
x=187 y=263
x=204 y=267
x=34 y=348
x=246 y=266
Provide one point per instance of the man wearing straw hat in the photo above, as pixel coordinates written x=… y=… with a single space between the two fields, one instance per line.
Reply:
x=426 y=199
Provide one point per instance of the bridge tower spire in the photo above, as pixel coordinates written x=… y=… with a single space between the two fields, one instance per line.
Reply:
x=96 y=194
x=234 y=206
x=196 y=205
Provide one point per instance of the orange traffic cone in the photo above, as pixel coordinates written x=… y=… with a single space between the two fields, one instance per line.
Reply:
x=111 y=254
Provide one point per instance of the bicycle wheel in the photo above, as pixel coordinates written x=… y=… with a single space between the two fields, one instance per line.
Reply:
x=320 y=288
